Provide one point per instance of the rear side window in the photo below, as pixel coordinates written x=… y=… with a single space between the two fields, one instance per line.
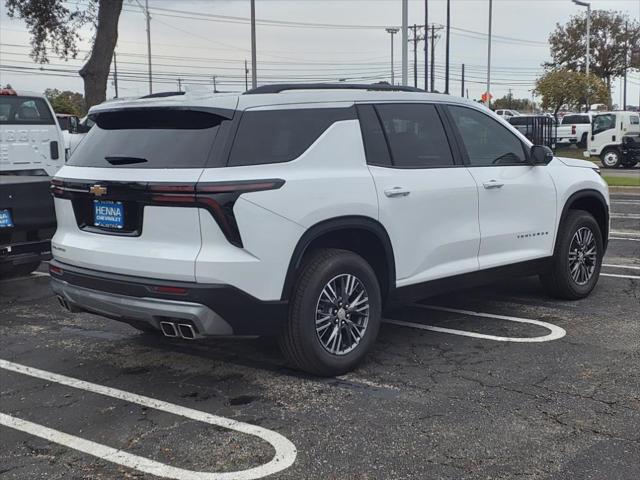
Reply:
x=16 y=110
x=151 y=138
x=277 y=136
x=415 y=135
x=575 y=119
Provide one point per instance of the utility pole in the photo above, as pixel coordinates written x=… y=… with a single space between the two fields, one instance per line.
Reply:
x=426 y=45
x=215 y=89
x=254 y=73
x=462 y=87
x=146 y=3
x=179 y=85
x=246 y=76
x=446 y=66
x=405 y=41
x=392 y=32
x=626 y=65
x=433 y=57
x=510 y=97
x=415 y=55
x=115 y=73
x=489 y=56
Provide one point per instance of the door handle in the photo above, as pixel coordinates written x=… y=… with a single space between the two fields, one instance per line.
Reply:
x=396 y=192
x=493 y=184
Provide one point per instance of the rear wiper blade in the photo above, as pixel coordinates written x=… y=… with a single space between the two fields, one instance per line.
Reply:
x=124 y=160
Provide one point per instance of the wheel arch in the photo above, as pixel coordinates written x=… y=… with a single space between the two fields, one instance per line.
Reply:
x=591 y=201
x=359 y=234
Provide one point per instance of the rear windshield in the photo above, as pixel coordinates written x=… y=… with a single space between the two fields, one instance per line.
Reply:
x=150 y=138
x=579 y=119
x=16 y=110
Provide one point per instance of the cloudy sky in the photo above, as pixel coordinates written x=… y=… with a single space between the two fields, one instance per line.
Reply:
x=196 y=40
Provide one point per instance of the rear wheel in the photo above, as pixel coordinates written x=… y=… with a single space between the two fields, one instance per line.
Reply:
x=334 y=314
x=583 y=141
x=577 y=258
x=610 y=158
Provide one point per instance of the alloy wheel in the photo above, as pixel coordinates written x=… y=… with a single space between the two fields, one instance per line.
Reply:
x=583 y=255
x=342 y=314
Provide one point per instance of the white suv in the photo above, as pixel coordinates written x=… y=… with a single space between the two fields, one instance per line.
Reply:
x=301 y=211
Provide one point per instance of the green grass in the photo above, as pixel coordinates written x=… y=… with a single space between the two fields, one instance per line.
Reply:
x=633 y=181
x=573 y=152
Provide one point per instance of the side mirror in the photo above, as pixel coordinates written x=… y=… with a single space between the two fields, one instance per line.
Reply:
x=73 y=124
x=541 y=155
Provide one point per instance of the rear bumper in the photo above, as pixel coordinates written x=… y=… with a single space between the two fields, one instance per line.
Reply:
x=21 y=253
x=212 y=309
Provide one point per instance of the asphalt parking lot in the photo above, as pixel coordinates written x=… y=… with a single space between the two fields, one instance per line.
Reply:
x=540 y=389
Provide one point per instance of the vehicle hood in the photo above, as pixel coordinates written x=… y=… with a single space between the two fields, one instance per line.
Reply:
x=574 y=162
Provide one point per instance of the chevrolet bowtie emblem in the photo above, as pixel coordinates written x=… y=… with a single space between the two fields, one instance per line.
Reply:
x=98 y=190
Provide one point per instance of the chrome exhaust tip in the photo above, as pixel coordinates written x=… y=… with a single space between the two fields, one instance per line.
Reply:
x=169 y=329
x=186 y=331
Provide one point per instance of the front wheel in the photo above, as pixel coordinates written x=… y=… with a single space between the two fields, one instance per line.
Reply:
x=334 y=314
x=610 y=158
x=577 y=258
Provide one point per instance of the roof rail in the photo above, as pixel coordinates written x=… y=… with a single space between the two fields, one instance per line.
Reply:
x=163 y=94
x=281 y=87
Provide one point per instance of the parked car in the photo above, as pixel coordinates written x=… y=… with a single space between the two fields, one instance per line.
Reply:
x=31 y=140
x=574 y=128
x=615 y=138
x=27 y=223
x=507 y=114
x=302 y=210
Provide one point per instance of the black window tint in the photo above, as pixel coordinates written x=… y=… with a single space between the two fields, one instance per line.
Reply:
x=575 y=119
x=16 y=110
x=375 y=144
x=155 y=138
x=487 y=142
x=276 y=136
x=415 y=135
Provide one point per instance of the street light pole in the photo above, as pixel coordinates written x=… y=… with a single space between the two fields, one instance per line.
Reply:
x=405 y=42
x=588 y=55
x=446 y=58
x=489 y=56
x=392 y=32
x=254 y=73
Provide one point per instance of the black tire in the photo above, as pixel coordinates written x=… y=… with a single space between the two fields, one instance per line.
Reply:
x=611 y=158
x=559 y=281
x=583 y=141
x=21 y=270
x=299 y=341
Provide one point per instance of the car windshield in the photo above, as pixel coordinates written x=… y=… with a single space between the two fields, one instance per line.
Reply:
x=603 y=122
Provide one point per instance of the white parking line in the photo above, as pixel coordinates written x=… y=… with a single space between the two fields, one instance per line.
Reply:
x=622 y=238
x=633 y=277
x=623 y=233
x=285 y=451
x=625 y=215
x=610 y=265
x=556 y=332
x=625 y=202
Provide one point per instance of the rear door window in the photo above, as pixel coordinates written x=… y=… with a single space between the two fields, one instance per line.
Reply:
x=415 y=135
x=17 y=110
x=277 y=136
x=151 y=138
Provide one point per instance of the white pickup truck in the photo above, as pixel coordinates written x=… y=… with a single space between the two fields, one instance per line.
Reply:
x=574 y=128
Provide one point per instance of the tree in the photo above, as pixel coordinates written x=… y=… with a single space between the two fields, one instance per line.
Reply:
x=66 y=101
x=54 y=27
x=613 y=35
x=520 y=104
x=565 y=87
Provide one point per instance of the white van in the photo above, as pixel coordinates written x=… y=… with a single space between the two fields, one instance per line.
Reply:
x=31 y=141
x=615 y=138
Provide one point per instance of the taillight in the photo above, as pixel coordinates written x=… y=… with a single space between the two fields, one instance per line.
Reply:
x=55 y=270
x=573 y=129
x=170 y=290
